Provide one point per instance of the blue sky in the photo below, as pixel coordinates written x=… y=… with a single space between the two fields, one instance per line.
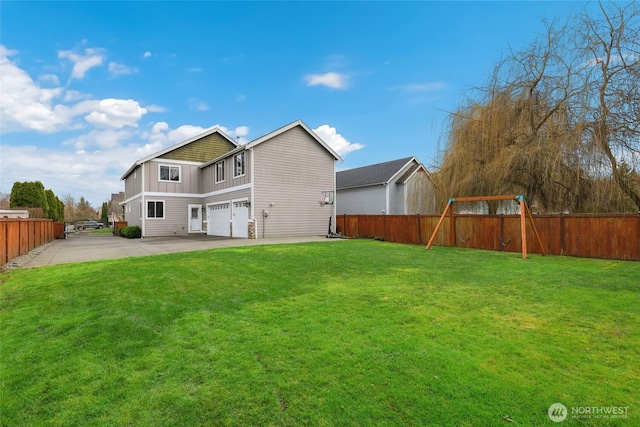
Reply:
x=87 y=88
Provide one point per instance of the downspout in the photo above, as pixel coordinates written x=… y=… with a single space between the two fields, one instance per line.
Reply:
x=386 y=198
x=335 y=199
x=253 y=193
x=142 y=205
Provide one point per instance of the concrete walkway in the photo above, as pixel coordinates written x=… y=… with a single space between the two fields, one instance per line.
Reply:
x=81 y=247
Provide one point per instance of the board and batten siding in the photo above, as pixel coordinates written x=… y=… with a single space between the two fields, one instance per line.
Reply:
x=396 y=198
x=176 y=216
x=133 y=183
x=189 y=177
x=208 y=175
x=363 y=200
x=291 y=171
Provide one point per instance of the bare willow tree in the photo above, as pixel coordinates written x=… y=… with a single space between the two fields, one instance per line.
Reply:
x=610 y=49
x=549 y=126
x=519 y=138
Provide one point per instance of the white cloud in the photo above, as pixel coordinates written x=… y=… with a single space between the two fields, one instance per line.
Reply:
x=195 y=105
x=420 y=87
x=93 y=174
x=332 y=80
x=49 y=78
x=74 y=95
x=147 y=54
x=112 y=113
x=23 y=103
x=159 y=127
x=83 y=63
x=241 y=131
x=102 y=139
x=336 y=141
x=163 y=135
x=155 y=108
x=120 y=69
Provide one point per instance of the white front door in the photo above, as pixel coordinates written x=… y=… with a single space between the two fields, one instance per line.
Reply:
x=240 y=225
x=218 y=217
x=195 y=218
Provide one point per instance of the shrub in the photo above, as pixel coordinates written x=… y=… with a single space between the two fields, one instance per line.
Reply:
x=130 y=232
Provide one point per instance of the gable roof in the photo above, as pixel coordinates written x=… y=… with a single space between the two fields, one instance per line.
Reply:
x=291 y=126
x=378 y=174
x=273 y=134
x=180 y=145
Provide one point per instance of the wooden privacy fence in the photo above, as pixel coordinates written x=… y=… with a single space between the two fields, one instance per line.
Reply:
x=18 y=236
x=609 y=236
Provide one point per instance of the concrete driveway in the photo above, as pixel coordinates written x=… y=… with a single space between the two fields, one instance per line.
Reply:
x=83 y=246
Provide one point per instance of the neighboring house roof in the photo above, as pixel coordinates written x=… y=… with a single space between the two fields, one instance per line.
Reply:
x=378 y=174
x=178 y=146
x=271 y=135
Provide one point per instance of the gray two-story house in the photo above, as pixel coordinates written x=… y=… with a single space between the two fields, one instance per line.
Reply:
x=209 y=184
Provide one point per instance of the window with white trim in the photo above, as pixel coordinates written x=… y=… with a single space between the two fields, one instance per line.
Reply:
x=220 y=171
x=169 y=173
x=238 y=165
x=155 y=209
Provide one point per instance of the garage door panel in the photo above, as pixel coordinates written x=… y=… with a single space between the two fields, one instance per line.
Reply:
x=240 y=219
x=219 y=216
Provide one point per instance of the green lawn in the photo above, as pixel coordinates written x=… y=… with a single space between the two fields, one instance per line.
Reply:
x=339 y=333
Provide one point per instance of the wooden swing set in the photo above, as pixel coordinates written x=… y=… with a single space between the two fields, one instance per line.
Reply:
x=524 y=212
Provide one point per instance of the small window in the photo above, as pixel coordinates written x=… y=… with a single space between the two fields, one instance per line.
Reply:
x=220 y=171
x=170 y=173
x=155 y=209
x=239 y=166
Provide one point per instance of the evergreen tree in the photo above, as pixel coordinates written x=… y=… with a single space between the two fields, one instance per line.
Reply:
x=103 y=214
x=29 y=195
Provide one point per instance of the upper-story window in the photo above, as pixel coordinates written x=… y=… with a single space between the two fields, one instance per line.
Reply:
x=239 y=165
x=219 y=171
x=169 y=173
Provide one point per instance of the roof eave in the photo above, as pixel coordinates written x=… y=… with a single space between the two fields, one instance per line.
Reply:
x=398 y=172
x=350 y=187
x=224 y=156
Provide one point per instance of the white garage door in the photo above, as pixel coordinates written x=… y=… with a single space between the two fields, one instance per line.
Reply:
x=240 y=219
x=218 y=217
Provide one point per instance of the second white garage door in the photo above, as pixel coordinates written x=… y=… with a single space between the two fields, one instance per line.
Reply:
x=240 y=219
x=218 y=218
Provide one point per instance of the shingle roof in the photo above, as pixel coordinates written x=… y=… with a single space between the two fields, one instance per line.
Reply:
x=370 y=175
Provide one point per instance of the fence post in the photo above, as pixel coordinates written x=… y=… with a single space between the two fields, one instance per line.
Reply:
x=384 y=227
x=452 y=228
x=638 y=240
x=561 y=227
